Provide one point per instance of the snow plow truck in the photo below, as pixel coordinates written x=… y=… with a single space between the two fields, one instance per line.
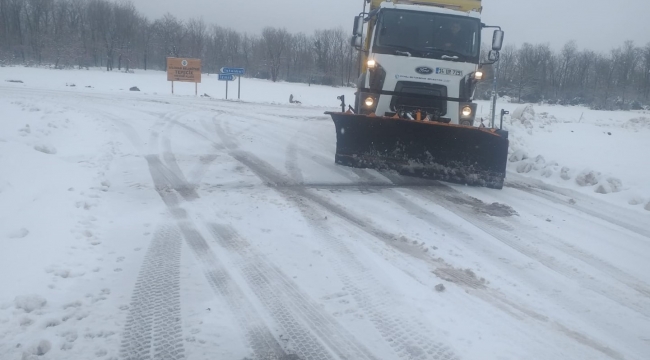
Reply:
x=413 y=110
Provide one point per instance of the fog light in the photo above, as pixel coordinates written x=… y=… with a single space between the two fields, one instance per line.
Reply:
x=466 y=123
x=478 y=75
x=370 y=102
x=467 y=111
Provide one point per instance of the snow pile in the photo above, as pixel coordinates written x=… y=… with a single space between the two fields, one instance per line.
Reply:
x=18 y=234
x=638 y=124
x=30 y=303
x=45 y=149
x=36 y=352
x=588 y=178
x=525 y=114
x=568 y=147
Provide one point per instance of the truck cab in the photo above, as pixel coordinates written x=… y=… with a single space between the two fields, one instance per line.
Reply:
x=421 y=59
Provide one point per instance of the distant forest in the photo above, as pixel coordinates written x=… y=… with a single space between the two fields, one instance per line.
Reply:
x=114 y=35
x=619 y=79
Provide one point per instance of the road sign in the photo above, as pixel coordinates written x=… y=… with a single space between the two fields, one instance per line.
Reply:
x=226 y=77
x=234 y=71
x=186 y=70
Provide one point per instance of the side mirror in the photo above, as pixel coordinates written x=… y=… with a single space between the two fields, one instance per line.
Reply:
x=497 y=40
x=356 y=42
x=493 y=56
x=358 y=26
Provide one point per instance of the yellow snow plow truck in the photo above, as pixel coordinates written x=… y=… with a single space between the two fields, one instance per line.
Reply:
x=413 y=110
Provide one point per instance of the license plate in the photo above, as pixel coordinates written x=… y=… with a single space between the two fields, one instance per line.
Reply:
x=452 y=72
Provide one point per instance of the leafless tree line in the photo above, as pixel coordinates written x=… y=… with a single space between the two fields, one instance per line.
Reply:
x=114 y=35
x=619 y=79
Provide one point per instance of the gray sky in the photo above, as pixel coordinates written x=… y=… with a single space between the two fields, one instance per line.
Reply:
x=594 y=24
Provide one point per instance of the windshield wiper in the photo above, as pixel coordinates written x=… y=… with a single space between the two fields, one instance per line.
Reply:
x=448 y=54
x=452 y=55
x=403 y=53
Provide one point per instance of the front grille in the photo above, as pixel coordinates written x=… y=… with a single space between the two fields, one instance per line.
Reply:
x=436 y=105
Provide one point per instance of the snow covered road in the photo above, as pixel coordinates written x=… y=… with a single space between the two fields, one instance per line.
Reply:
x=157 y=227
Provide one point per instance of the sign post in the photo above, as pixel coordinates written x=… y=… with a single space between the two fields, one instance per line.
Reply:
x=184 y=70
x=226 y=78
x=235 y=71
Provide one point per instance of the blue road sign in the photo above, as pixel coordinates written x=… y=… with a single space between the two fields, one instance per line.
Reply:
x=226 y=77
x=234 y=71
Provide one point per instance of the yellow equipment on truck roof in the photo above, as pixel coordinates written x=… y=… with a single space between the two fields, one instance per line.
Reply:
x=460 y=5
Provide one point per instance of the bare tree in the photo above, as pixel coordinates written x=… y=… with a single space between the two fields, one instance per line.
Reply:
x=146 y=34
x=196 y=36
x=64 y=33
x=276 y=42
x=171 y=35
x=646 y=71
x=627 y=62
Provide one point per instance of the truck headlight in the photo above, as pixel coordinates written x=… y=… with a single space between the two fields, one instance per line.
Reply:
x=370 y=101
x=467 y=111
x=371 y=63
x=478 y=75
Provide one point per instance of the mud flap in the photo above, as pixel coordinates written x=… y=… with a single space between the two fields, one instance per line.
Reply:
x=452 y=153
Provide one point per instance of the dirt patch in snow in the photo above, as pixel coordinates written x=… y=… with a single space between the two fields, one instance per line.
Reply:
x=460 y=276
x=494 y=209
x=589 y=342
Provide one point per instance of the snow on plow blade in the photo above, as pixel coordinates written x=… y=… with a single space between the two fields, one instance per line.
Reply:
x=453 y=153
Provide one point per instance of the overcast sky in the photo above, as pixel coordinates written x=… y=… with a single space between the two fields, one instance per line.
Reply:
x=594 y=24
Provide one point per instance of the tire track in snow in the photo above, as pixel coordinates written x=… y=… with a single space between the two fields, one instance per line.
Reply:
x=516 y=306
x=291 y=163
x=587 y=258
x=409 y=339
x=174 y=177
x=258 y=335
x=307 y=345
x=448 y=196
x=493 y=296
x=261 y=273
x=462 y=278
x=153 y=327
x=549 y=193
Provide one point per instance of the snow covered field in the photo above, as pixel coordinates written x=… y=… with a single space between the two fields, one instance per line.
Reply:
x=139 y=225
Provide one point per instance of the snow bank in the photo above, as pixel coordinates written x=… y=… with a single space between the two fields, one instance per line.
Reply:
x=596 y=152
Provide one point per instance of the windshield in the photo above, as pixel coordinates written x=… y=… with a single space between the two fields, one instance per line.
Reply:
x=425 y=34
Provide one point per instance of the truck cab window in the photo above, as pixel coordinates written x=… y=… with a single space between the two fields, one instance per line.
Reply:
x=427 y=34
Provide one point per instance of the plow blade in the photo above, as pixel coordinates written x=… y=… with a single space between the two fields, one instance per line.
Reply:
x=452 y=153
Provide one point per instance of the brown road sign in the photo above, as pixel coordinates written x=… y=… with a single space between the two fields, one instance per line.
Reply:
x=187 y=70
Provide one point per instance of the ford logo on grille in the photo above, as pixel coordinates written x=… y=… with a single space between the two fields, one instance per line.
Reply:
x=424 y=70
